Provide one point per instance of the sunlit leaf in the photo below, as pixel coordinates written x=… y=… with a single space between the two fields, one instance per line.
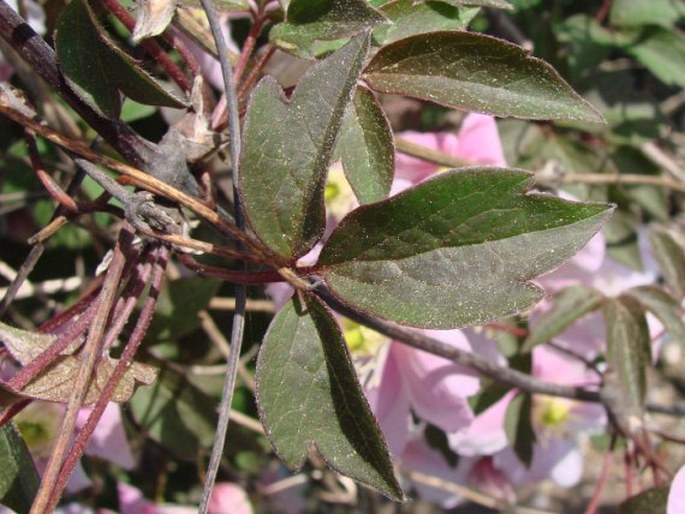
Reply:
x=662 y=52
x=308 y=21
x=409 y=18
x=366 y=148
x=569 y=305
x=288 y=147
x=456 y=250
x=152 y=18
x=19 y=479
x=308 y=395
x=56 y=382
x=479 y=73
x=498 y=4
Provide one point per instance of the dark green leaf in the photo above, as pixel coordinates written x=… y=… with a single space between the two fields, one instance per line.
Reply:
x=97 y=69
x=669 y=251
x=570 y=304
x=409 y=18
x=622 y=239
x=310 y=20
x=491 y=391
x=651 y=501
x=19 y=479
x=455 y=250
x=308 y=394
x=176 y=414
x=366 y=148
x=634 y=13
x=628 y=352
x=288 y=147
x=479 y=73
x=518 y=426
x=437 y=440
x=663 y=306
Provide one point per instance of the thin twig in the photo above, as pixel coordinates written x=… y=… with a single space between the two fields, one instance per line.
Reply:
x=430 y=154
x=161 y=257
x=48 y=493
x=240 y=292
x=228 y=304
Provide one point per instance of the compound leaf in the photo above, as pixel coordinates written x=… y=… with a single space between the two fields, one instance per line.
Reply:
x=458 y=249
x=308 y=395
x=288 y=147
x=474 y=72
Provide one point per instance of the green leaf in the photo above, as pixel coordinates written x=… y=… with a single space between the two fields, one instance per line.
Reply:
x=409 y=18
x=308 y=394
x=366 y=148
x=634 y=13
x=288 y=147
x=651 y=501
x=662 y=52
x=570 y=304
x=19 y=479
x=97 y=69
x=310 y=20
x=176 y=414
x=455 y=250
x=628 y=352
x=518 y=426
x=668 y=244
x=475 y=72
x=663 y=306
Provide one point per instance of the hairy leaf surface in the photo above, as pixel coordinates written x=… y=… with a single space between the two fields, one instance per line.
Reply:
x=366 y=148
x=308 y=394
x=288 y=147
x=478 y=73
x=455 y=250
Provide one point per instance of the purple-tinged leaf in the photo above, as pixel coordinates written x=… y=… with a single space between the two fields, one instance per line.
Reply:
x=19 y=479
x=478 y=73
x=287 y=149
x=308 y=395
x=456 y=250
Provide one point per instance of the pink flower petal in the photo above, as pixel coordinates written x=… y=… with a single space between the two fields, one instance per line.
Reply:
x=229 y=498
x=109 y=439
x=437 y=387
x=676 y=495
x=478 y=140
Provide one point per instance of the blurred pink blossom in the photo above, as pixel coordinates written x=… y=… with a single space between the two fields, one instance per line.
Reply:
x=676 y=494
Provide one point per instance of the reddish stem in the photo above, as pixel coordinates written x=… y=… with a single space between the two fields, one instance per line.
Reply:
x=248 y=48
x=13 y=410
x=33 y=368
x=125 y=360
x=150 y=46
x=55 y=191
x=234 y=276
x=606 y=463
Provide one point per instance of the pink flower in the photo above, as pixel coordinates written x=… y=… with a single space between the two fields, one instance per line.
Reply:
x=676 y=494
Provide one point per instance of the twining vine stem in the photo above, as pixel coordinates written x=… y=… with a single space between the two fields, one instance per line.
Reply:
x=238 y=327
